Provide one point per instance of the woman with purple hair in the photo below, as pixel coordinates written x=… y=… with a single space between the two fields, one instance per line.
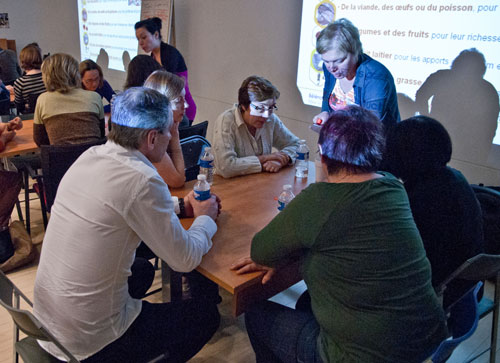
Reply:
x=361 y=256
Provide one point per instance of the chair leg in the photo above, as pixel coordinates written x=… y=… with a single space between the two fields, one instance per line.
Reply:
x=27 y=200
x=175 y=278
x=16 y=331
x=43 y=205
x=494 y=328
x=19 y=211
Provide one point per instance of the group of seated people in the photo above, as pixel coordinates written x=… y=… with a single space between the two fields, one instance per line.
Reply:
x=390 y=222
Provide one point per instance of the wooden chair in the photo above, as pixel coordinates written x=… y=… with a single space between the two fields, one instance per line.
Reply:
x=478 y=268
x=27 y=348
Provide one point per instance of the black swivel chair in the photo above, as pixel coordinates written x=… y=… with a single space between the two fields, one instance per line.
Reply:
x=197 y=129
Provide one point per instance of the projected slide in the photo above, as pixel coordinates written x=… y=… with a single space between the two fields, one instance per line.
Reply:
x=413 y=39
x=107 y=30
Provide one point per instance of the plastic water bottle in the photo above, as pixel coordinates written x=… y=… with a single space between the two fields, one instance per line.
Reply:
x=285 y=197
x=302 y=161
x=201 y=188
x=207 y=164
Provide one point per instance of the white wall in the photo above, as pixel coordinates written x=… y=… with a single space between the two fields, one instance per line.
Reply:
x=223 y=42
x=53 y=24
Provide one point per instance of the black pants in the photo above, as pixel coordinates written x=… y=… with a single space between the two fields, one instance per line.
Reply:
x=178 y=330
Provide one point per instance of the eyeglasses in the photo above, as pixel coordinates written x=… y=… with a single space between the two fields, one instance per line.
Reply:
x=263 y=109
x=176 y=103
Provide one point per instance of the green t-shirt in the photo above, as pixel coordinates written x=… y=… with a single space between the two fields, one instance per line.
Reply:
x=365 y=267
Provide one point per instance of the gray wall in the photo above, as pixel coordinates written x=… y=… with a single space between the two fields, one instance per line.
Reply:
x=223 y=42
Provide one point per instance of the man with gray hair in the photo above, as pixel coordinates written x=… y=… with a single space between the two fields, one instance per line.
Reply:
x=110 y=199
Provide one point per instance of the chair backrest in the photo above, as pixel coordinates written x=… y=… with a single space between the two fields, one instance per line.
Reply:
x=477 y=268
x=489 y=200
x=25 y=320
x=197 y=129
x=5 y=107
x=462 y=323
x=192 y=147
x=56 y=160
x=32 y=98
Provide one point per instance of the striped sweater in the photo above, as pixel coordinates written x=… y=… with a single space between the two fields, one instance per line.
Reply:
x=29 y=84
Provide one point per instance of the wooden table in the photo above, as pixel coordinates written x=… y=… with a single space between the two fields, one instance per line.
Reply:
x=248 y=205
x=22 y=143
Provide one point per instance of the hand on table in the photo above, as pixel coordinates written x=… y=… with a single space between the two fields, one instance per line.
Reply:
x=245 y=265
x=15 y=124
x=210 y=207
x=272 y=166
x=274 y=162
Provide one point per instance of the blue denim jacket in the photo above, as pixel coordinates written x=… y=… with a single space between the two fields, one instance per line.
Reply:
x=374 y=90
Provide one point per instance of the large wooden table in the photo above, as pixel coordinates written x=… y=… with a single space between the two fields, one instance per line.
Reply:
x=248 y=204
x=22 y=143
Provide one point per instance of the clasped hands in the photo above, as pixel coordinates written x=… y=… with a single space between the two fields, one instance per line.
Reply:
x=246 y=265
x=210 y=207
x=7 y=130
x=272 y=163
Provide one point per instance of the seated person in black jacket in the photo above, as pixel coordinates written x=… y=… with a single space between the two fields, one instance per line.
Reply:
x=443 y=204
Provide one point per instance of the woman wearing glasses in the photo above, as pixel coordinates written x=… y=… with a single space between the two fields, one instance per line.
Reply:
x=245 y=134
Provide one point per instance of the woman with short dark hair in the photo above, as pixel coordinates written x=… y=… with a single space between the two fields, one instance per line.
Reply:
x=28 y=87
x=362 y=261
x=245 y=135
x=93 y=80
x=442 y=202
x=139 y=69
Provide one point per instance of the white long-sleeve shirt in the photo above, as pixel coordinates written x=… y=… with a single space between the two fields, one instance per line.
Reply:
x=236 y=150
x=108 y=201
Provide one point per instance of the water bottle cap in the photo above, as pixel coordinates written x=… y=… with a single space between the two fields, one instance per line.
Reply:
x=202 y=177
x=287 y=187
x=302 y=141
x=207 y=148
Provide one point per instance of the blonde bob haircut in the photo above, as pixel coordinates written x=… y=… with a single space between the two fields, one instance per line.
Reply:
x=342 y=35
x=60 y=73
x=168 y=84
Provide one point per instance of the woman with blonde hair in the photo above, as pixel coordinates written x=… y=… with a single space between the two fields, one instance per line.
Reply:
x=28 y=87
x=171 y=167
x=66 y=113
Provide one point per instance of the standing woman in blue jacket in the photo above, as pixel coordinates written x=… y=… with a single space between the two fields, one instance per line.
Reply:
x=352 y=77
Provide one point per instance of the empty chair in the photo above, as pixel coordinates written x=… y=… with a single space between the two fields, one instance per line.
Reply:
x=478 y=268
x=24 y=320
x=462 y=323
x=197 y=129
x=192 y=148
